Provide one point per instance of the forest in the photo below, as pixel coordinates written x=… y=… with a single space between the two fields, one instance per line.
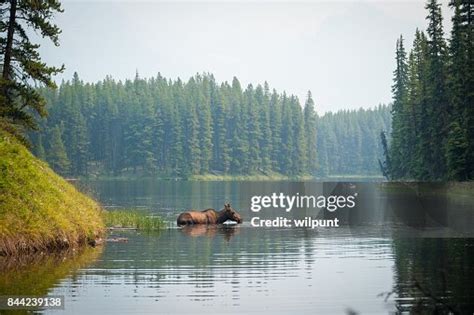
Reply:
x=172 y=128
x=348 y=142
x=433 y=101
x=160 y=127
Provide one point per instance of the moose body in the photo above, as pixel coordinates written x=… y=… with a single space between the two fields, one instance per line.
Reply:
x=208 y=216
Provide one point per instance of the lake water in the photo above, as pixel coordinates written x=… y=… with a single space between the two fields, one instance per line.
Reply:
x=402 y=248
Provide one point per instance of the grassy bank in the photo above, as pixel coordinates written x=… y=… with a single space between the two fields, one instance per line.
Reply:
x=39 y=210
x=132 y=219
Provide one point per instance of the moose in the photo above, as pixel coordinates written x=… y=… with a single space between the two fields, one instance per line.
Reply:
x=209 y=216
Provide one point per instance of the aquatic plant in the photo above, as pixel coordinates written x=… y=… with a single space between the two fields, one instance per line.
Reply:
x=132 y=219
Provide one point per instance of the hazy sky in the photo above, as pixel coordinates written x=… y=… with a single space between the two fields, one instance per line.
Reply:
x=343 y=51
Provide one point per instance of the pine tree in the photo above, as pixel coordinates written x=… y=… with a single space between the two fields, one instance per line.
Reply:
x=177 y=148
x=399 y=90
x=252 y=122
x=221 y=150
x=266 y=143
x=438 y=107
x=57 y=156
x=460 y=82
x=421 y=163
x=240 y=148
x=81 y=156
x=299 y=165
x=192 y=150
x=310 y=134
x=22 y=67
x=203 y=99
x=276 y=129
x=413 y=104
x=456 y=152
x=287 y=137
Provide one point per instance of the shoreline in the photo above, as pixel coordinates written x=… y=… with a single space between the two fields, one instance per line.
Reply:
x=213 y=177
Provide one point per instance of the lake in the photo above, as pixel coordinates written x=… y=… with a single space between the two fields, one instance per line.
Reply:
x=402 y=248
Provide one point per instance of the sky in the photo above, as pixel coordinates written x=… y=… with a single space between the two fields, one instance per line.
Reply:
x=343 y=51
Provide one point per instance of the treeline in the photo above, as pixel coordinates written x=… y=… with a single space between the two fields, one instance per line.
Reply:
x=348 y=141
x=178 y=129
x=433 y=108
x=175 y=128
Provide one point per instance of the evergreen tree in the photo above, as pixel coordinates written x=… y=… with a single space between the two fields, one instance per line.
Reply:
x=203 y=99
x=240 y=149
x=399 y=90
x=276 y=130
x=299 y=152
x=456 y=152
x=460 y=82
x=438 y=107
x=310 y=134
x=252 y=121
x=192 y=150
x=22 y=67
x=178 y=167
x=57 y=156
x=221 y=157
x=266 y=143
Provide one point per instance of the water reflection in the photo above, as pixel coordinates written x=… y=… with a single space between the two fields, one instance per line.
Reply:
x=38 y=274
x=434 y=275
x=389 y=243
x=202 y=230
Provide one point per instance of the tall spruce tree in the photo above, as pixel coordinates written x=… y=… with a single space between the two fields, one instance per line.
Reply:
x=461 y=99
x=399 y=90
x=310 y=134
x=438 y=111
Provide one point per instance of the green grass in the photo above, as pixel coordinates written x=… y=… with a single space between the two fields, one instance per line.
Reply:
x=39 y=210
x=132 y=219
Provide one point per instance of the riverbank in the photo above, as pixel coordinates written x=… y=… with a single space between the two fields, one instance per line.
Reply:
x=450 y=189
x=202 y=177
x=253 y=177
x=39 y=210
x=267 y=176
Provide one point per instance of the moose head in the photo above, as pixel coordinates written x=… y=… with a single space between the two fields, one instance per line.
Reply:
x=231 y=214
